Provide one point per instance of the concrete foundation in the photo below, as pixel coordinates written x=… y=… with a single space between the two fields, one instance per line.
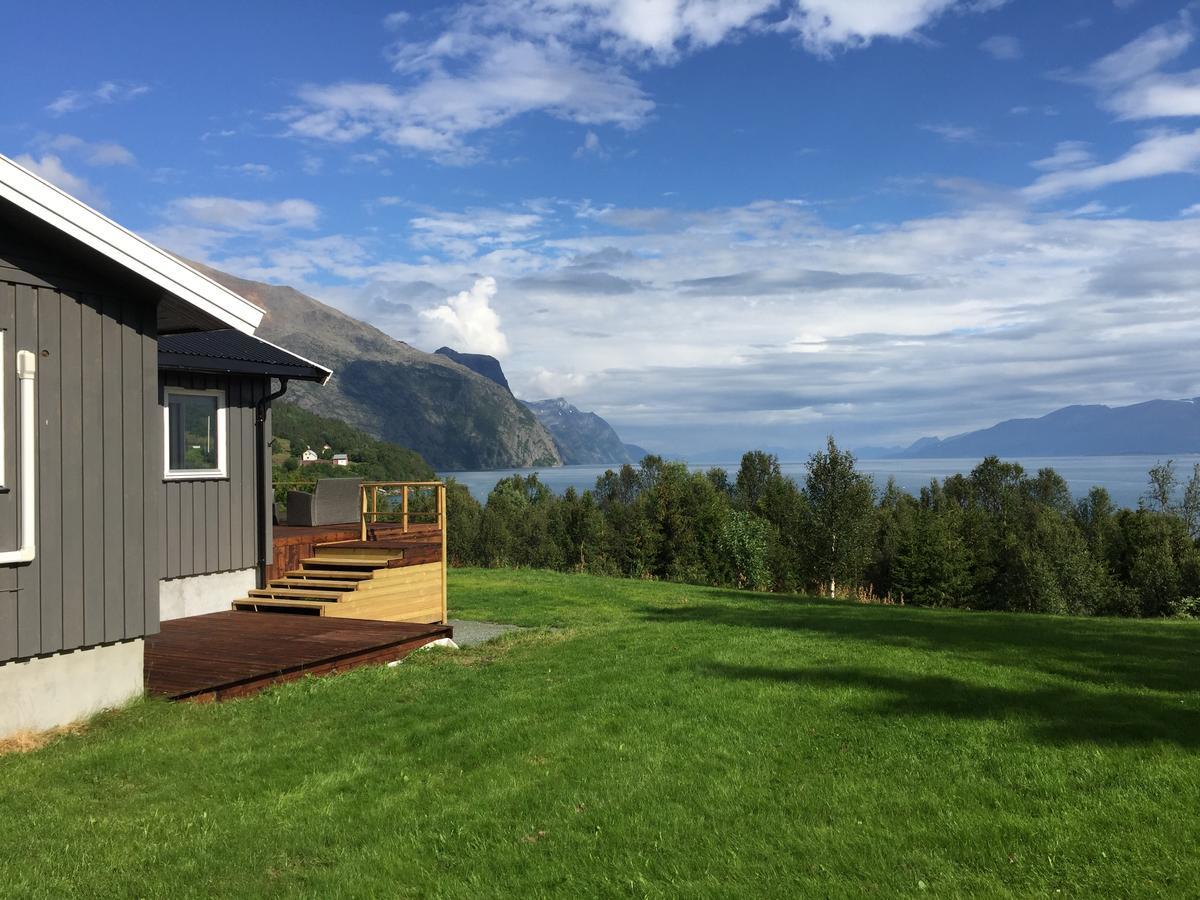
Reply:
x=37 y=694
x=196 y=595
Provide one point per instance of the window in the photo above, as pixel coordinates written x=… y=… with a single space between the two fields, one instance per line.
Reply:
x=194 y=431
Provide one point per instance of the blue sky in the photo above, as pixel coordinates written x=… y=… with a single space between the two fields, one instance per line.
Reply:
x=714 y=223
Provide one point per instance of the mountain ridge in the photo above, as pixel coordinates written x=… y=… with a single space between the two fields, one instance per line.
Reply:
x=1149 y=427
x=583 y=438
x=452 y=416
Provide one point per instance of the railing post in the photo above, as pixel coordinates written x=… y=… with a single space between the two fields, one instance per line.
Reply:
x=362 y=517
x=441 y=517
x=404 y=509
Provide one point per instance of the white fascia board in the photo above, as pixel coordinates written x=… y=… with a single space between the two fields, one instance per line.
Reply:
x=57 y=208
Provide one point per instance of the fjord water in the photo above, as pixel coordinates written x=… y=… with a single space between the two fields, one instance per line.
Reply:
x=1123 y=476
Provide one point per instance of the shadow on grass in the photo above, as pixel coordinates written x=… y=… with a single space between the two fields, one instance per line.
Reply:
x=1054 y=715
x=1135 y=654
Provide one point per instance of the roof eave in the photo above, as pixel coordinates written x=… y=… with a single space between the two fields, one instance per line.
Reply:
x=72 y=217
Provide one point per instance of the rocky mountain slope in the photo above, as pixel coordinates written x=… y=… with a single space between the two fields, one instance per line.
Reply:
x=454 y=417
x=480 y=363
x=583 y=438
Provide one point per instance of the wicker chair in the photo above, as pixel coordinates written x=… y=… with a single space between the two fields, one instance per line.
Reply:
x=334 y=501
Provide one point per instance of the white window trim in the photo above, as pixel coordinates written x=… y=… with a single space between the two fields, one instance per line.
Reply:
x=222 y=469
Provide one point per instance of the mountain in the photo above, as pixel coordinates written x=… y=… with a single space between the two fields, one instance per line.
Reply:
x=451 y=415
x=480 y=363
x=636 y=453
x=1154 y=427
x=583 y=438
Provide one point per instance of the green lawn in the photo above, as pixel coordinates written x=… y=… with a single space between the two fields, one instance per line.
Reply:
x=657 y=740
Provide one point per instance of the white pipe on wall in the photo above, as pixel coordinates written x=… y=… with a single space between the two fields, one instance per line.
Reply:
x=26 y=375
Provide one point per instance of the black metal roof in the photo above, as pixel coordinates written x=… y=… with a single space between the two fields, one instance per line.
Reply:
x=228 y=350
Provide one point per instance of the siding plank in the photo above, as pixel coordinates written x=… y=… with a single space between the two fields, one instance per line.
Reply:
x=92 y=499
x=133 y=418
x=29 y=611
x=50 y=468
x=151 y=465
x=8 y=499
x=70 y=362
x=112 y=484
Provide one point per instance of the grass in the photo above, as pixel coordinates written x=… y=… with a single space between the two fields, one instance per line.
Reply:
x=657 y=740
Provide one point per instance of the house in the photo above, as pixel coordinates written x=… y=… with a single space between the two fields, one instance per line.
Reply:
x=135 y=476
x=340 y=459
x=308 y=456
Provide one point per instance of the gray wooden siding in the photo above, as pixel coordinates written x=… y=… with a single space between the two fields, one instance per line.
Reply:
x=208 y=525
x=95 y=577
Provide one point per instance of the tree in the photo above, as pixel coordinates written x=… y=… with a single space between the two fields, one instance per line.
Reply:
x=1163 y=482
x=755 y=474
x=1189 y=507
x=742 y=542
x=840 y=504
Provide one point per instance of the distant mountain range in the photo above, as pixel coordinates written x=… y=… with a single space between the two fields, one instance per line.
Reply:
x=1161 y=427
x=454 y=417
x=583 y=438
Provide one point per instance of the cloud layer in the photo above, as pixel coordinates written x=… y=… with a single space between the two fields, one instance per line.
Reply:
x=575 y=60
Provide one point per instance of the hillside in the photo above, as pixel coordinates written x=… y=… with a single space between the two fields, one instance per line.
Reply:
x=1156 y=426
x=583 y=438
x=450 y=415
x=294 y=429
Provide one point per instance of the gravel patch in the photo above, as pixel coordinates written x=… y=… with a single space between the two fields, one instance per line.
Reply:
x=468 y=633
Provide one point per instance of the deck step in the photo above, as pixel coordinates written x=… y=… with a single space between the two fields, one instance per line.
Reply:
x=318 y=584
x=302 y=607
x=291 y=594
x=361 y=562
x=320 y=574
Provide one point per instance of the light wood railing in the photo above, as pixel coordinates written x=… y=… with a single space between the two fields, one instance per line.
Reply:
x=419 y=502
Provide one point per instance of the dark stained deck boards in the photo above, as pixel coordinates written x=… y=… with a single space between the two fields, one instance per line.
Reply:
x=231 y=654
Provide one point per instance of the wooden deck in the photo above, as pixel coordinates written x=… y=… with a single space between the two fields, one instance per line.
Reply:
x=293 y=543
x=232 y=654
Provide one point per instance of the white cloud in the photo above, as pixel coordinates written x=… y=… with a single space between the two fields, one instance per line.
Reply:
x=1067 y=155
x=1002 y=47
x=1193 y=210
x=591 y=146
x=105 y=92
x=955 y=134
x=99 y=153
x=828 y=25
x=394 y=20
x=1162 y=153
x=544 y=383
x=51 y=168
x=227 y=228
x=466 y=234
x=254 y=170
x=1132 y=83
x=468 y=321
x=246 y=215
x=574 y=60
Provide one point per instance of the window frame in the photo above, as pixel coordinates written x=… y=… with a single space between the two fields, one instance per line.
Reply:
x=222 y=469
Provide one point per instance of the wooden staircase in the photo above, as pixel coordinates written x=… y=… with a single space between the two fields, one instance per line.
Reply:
x=397 y=581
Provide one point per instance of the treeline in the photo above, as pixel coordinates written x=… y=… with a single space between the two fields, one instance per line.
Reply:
x=997 y=538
